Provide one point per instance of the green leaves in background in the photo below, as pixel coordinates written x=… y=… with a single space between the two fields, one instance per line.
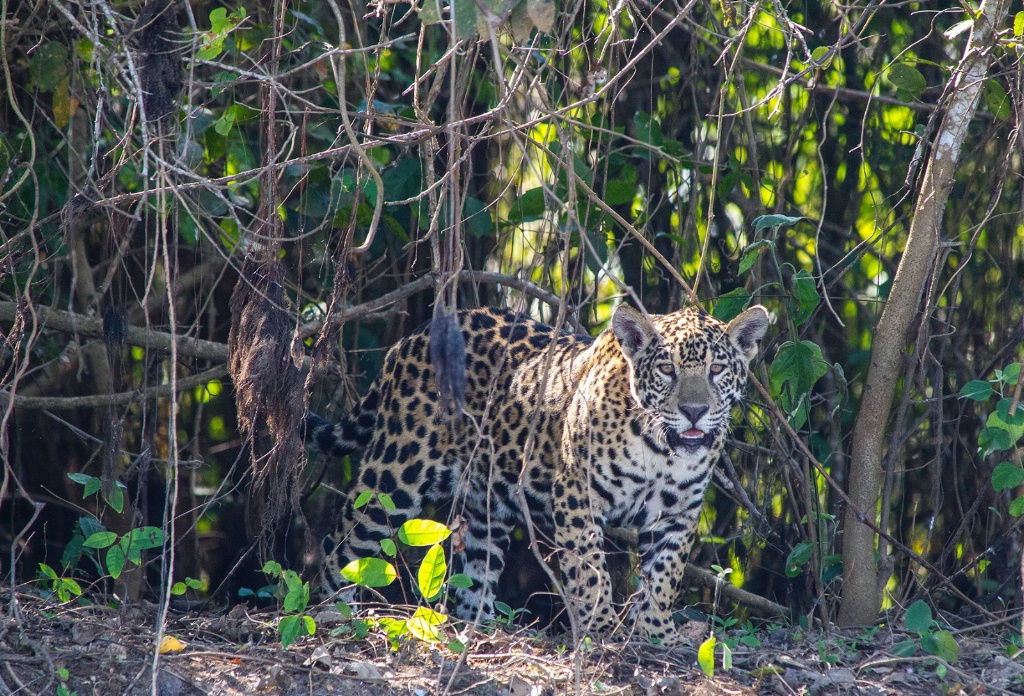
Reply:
x=908 y=81
x=795 y=371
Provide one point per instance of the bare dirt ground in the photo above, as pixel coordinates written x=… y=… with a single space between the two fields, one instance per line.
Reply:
x=47 y=648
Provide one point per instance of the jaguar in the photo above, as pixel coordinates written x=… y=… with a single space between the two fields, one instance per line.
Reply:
x=577 y=434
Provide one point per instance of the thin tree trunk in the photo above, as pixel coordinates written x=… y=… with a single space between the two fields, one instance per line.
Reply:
x=862 y=585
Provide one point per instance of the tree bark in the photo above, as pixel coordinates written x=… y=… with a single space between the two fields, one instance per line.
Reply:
x=861 y=596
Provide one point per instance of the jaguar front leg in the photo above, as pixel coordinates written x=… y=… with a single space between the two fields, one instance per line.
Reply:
x=663 y=559
x=580 y=537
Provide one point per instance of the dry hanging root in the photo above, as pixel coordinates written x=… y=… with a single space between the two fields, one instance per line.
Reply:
x=268 y=389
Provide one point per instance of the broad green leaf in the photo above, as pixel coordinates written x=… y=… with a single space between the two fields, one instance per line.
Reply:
x=432 y=572
x=460 y=580
x=996 y=100
x=648 y=130
x=619 y=192
x=49 y=65
x=80 y=478
x=388 y=547
x=92 y=486
x=48 y=571
x=1010 y=374
x=1006 y=476
x=907 y=79
x=946 y=646
x=477 y=218
x=1017 y=507
x=1000 y=419
x=765 y=221
x=344 y=609
x=272 y=568
x=386 y=502
x=464 y=12
x=706 y=656
x=370 y=572
x=289 y=628
x=457 y=646
x=419 y=532
x=993 y=439
x=1018 y=24
x=798 y=364
x=115 y=561
x=297 y=600
x=116 y=499
x=818 y=54
x=100 y=540
x=430 y=11
x=362 y=499
x=729 y=305
x=726 y=657
x=425 y=624
x=805 y=292
x=751 y=253
x=178 y=588
x=905 y=648
x=798 y=558
x=976 y=390
x=918 y=618
x=527 y=207
x=310 y=624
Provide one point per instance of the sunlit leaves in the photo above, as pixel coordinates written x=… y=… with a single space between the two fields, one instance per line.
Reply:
x=706 y=656
x=370 y=572
x=431 y=574
x=423 y=532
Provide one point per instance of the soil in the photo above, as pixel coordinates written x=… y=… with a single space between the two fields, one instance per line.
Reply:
x=48 y=648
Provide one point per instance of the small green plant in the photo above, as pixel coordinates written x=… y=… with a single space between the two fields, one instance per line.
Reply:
x=507 y=615
x=94 y=484
x=706 y=652
x=1004 y=427
x=183 y=586
x=126 y=548
x=54 y=584
x=431 y=578
x=294 y=595
x=933 y=639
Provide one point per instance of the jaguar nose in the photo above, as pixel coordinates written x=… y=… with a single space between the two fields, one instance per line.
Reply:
x=693 y=412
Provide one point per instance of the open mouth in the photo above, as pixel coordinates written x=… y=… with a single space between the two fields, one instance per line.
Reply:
x=689 y=439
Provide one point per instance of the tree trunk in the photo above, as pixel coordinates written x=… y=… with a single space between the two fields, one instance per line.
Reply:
x=862 y=585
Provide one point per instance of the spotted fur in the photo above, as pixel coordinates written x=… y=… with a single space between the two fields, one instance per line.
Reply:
x=628 y=429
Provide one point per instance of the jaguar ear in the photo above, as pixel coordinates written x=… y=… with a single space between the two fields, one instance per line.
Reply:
x=748 y=328
x=633 y=330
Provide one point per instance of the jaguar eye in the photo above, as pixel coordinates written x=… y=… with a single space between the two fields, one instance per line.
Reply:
x=717 y=369
x=667 y=370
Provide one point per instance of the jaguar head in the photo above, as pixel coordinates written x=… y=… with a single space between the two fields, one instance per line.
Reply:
x=687 y=370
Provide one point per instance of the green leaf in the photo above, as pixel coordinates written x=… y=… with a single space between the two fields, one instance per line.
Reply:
x=419 y=532
x=806 y=293
x=92 y=487
x=976 y=390
x=430 y=12
x=296 y=600
x=425 y=624
x=457 y=646
x=765 y=221
x=1006 y=476
x=648 y=130
x=178 y=588
x=619 y=192
x=116 y=499
x=272 y=568
x=800 y=365
x=370 y=572
x=905 y=648
x=993 y=440
x=100 y=540
x=464 y=12
x=460 y=580
x=918 y=618
x=798 y=558
x=907 y=79
x=289 y=628
x=47 y=571
x=946 y=646
x=49 y=65
x=344 y=609
x=1018 y=24
x=432 y=572
x=729 y=305
x=1010 y=374
x=726 y=657
x=751 y=253
x=477 y=218
x=527 y=207
x=81 y=478
x=1017 y=507
x=996 y=100
x=706 y=656
x=362 y=499
x=115 y=561
x=818 y=54
x=388 y=547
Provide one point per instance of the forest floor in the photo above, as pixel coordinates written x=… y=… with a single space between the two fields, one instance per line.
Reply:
x=69 y=649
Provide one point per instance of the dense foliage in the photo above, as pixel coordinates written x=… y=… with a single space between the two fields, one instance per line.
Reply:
x=354 y=165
